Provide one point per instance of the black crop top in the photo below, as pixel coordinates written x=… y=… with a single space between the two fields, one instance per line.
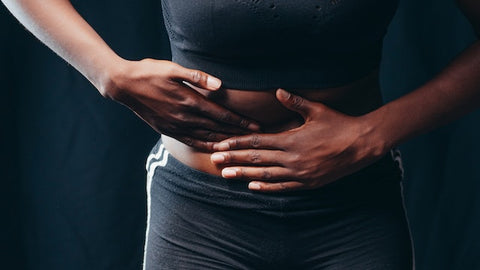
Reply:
x=267 y=44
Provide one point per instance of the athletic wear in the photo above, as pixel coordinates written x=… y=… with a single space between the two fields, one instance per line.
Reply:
x=201 y=221
x=301 y=44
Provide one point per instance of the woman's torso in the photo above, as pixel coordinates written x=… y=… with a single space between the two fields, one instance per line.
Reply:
x=324 y=50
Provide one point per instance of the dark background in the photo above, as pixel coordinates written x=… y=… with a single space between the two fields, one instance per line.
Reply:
x=73 y=176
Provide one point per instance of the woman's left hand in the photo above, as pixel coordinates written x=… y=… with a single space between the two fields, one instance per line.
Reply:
x=328 y=146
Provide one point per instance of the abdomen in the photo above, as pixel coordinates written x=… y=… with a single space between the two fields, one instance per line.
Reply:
x=357 y=98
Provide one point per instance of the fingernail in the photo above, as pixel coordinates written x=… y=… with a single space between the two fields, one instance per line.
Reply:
x=221 y=146
x=213 y=83
x=217 y=157
x=283 y=94
x=254 y=186
x=229 y=173
x=253 y=126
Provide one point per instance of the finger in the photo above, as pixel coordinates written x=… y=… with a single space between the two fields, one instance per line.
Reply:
x=254 y=141
x=256 y=173
x=295 y=103
x=256 y=157
x=196 y=121
x=197 y=104
x=196 y=77
x=208 y=135
x=223 y=115
x=276 y=187
x=193 y=126
x=192 y=142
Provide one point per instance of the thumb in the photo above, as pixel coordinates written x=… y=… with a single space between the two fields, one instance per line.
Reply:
x=294 y=103
x=198 y=78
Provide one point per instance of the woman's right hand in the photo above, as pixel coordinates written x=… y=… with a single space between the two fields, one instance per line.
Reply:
x=153 y=89
x=157 y=92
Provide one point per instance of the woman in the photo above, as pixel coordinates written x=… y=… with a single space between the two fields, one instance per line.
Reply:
x=247 y=176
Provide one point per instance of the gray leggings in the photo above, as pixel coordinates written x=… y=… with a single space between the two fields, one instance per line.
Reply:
x=200 y=221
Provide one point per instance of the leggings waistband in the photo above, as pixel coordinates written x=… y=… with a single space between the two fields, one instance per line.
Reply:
x=371 y=184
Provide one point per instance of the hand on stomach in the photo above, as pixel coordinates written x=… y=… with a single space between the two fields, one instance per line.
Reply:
x=357 y=98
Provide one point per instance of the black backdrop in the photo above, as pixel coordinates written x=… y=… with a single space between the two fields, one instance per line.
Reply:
x=73 y=174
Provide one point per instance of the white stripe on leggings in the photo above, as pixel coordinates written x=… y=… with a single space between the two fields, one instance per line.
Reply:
x=150 y=172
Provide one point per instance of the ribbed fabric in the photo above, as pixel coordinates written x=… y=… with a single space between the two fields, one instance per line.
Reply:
x=289 y=74
x=258 y=45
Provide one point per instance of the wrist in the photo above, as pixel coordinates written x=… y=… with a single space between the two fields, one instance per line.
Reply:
x=376 y=141
x=112 y=77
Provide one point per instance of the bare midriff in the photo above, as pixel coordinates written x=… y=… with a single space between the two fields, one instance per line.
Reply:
x=355 y=99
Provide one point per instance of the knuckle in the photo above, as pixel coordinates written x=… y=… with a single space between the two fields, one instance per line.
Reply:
x=188 y=102
x=297 y=102
x=244 y=123
x=211 y=136
x=225 y=117
x=255 y=157
x=293 y=159
x=180 y=117
x=228 y=156
x=266 y=174
x=196 y=76
x=243 y=173
x=255 y=141
x=302 y=173
x=201 y=145
x=207 y=146
x=234 y=143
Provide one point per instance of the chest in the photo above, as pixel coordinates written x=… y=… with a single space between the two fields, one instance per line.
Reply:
x=227 y=25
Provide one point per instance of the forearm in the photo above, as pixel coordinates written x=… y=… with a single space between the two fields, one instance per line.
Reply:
x=451 y=94
x=57 y=24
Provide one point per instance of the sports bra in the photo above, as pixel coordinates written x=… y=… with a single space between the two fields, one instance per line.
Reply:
x=268 y=44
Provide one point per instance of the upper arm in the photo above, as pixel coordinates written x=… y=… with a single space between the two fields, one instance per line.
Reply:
x=471 y=9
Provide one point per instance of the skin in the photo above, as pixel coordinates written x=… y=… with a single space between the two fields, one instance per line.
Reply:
x=153 y=89
x=275 y=140
x=357 y=141
x=280 y=121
